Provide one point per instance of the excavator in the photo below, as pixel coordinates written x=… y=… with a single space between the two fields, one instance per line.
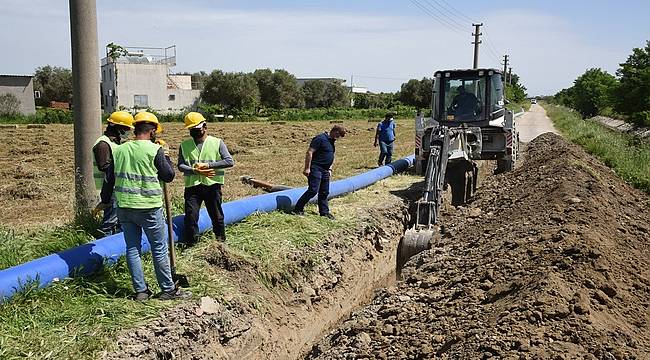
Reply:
x=469 y=122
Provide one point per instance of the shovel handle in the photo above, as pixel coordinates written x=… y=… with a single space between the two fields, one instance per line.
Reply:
x=170 y=228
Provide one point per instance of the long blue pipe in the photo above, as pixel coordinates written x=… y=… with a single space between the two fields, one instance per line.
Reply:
x=88 y=258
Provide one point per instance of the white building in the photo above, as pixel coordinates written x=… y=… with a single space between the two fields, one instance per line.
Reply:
x=143 y=79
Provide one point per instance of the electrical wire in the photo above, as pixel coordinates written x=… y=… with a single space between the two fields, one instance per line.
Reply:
x=440 y=20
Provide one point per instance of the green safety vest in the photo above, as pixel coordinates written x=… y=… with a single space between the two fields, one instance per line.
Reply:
x=97 y=174
x=136 y=177
x=209 y=152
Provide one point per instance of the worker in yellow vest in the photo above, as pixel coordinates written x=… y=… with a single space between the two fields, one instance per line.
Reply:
x=202 y=159
x=138 y=168
x=120 y=124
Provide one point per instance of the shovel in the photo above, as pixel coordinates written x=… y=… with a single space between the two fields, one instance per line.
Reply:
x=179 y=279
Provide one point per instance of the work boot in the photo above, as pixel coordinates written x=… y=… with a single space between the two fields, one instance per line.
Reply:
x=329 y=216
x=176 y=294
x=142 y=296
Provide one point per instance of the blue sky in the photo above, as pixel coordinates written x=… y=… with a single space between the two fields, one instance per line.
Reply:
x=380 y=43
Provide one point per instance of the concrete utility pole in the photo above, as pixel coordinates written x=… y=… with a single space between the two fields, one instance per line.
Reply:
x=505 y=67
x=509 y=76
x=85 y=86
x=477 y=33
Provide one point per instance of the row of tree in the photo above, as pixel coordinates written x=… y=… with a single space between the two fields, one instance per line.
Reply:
x=596 y=92
x=263 y=88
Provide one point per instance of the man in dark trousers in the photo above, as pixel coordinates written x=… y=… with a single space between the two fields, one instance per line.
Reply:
x=120 y=125
x=384 y=137
x=202 y=159
x=318 y=168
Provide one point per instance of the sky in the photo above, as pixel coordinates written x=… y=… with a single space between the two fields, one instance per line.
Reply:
x=379 y=44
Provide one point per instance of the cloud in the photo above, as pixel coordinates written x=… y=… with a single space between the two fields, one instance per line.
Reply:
x=547 y=51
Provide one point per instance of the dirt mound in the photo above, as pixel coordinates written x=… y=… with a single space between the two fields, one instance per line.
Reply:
x=549 y=261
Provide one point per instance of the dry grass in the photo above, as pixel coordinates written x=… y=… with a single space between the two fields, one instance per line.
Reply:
x=36 y=165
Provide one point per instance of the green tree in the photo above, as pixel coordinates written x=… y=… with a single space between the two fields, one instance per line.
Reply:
x=278 y=89
x=565 y=97
x=235 y=92
x=515 y=91
x=314 y=93
x=593 y=92
x=417 y=93
x=633 y=93
x=336 y=95
x=54 y=84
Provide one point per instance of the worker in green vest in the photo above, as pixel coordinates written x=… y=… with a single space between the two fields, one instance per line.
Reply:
x=119 y=127
x=202 y=159
x=138 y=168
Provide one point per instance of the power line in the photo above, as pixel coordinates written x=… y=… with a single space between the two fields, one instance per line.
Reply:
x=437 y=18
x=441 y=11
x=458 y=12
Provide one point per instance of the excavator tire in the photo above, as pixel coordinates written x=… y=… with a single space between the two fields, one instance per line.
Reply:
x=413 y=243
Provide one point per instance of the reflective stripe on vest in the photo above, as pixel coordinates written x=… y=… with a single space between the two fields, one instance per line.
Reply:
x=209 y=153
x=136 y=176
x=97 y=174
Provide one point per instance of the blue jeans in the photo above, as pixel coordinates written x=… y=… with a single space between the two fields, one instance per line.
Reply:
x=318 y=183
x=134 y=221
x=110 y=224
x=385 y=151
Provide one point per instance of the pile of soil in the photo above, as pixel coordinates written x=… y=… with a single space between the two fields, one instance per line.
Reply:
x=549 y=261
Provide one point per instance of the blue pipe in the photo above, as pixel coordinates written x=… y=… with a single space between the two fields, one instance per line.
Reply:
x=88 y=258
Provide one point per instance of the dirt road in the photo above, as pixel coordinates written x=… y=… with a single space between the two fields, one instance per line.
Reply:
x=534 y=123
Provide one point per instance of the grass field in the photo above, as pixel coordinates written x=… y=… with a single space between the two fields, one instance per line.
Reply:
x=629 y=157
x=36 y=165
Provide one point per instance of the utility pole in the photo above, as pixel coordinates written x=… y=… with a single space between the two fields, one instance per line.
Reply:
x=85 y=92
x=509 y=76
x=477 y=33
x=505 y=67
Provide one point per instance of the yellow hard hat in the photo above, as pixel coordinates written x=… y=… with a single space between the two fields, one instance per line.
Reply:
x=193 y=119
x=123 y=118
x=145 y=116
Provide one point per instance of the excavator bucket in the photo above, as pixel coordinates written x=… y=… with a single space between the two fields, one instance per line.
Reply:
x=414 y=242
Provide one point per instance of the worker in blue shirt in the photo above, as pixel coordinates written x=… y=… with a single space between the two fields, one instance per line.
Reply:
x=318 y=169
x=384 y=137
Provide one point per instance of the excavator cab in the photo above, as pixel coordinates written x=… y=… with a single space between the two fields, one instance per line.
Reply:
x=472 y=97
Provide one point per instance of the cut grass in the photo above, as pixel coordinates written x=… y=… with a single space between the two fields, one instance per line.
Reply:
x=79 y=318
x=274 y=240
x=626 y=155
x=74 y=318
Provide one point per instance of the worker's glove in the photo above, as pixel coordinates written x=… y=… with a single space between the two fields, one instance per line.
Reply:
x=205 y=172
x=164 y=146
x=99 y=208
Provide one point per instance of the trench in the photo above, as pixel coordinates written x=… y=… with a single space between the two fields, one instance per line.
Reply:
x=360 y=278
x=360 y=292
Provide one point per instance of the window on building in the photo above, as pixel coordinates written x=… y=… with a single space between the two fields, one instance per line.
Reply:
x=110 y=74
x=172 y=97
x=141 y=101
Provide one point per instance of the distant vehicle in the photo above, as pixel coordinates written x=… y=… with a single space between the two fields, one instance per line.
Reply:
x=533 y=101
